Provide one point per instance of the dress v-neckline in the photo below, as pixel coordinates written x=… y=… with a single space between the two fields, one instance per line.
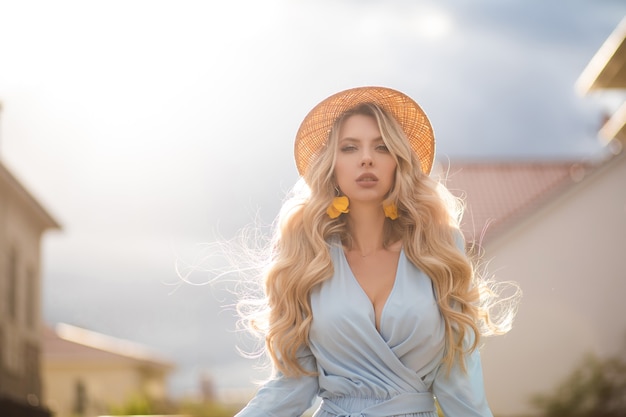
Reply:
x=354 y=279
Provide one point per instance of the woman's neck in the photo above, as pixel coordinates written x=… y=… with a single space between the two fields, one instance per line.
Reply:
x=366 y=228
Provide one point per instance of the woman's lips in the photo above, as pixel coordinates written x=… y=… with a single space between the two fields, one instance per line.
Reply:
x=367 y=180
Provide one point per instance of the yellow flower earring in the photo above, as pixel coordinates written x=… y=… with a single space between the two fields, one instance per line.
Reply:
x=391 y=209
x=339 y=205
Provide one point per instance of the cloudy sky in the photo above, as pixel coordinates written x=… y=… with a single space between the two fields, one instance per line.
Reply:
x=147 y=128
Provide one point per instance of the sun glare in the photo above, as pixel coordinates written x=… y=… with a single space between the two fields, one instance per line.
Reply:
x=433 y=24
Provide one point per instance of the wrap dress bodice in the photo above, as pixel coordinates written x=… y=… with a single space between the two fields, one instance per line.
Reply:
x=364 y=372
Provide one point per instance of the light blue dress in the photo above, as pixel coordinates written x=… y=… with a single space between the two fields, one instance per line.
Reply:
x=366 y=373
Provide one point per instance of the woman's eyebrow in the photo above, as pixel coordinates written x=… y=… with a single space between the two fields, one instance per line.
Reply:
x=351 y=139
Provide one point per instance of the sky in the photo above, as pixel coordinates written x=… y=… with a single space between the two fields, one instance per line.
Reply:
x=149 y=128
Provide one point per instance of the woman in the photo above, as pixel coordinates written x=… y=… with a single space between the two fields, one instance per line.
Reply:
x=371 y=302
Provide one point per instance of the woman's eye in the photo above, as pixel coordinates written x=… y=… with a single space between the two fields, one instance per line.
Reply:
x=348 y=148
x=382 y=148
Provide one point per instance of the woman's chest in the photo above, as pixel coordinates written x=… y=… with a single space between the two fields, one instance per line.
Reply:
x=376 y=277
x=343 y=309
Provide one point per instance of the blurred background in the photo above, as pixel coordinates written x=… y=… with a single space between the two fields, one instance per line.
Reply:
x=145 y=129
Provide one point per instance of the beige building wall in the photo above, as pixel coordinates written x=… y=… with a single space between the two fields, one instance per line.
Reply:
x=104 y=385
x=570 y=260
x=86 y=373
x=22 y=222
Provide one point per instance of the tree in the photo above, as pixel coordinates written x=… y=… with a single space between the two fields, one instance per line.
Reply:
x=596 y=388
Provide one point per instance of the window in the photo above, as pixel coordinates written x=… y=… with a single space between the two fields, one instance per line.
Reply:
x=13 y=353
x=31 y=371
x=80 y=398
x=3 y=349
x=12 y=285
x=31 y=299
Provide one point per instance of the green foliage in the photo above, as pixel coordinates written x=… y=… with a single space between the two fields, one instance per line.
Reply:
x=140 y=405
x=596 y=388
x=136 y=405
x=207 y=409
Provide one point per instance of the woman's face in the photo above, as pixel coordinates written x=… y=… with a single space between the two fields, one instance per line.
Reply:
x=364 y=168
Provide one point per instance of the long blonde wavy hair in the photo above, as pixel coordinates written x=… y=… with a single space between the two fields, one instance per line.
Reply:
x=428 y=221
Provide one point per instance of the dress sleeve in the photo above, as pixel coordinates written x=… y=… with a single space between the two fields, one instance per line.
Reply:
x=462 y=394
x=285 y=396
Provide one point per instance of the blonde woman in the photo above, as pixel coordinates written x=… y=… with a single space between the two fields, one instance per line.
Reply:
x=372 y=304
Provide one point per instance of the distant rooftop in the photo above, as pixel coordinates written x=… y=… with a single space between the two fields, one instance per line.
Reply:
x=500 y=194
x=76 y=344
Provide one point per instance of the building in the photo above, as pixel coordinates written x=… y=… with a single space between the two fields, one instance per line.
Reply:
x=558 y=230
x=22 y=222
x=86 y=373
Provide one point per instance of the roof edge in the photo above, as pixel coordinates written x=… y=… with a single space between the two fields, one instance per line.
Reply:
x=615 y=126
x=585 y=175
x=110 y=344
x=47 y=220
x=588 y=79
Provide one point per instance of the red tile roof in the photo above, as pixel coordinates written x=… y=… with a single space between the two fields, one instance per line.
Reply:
x=497 y=195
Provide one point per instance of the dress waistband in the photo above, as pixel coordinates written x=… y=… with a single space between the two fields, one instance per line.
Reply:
x=406 y=403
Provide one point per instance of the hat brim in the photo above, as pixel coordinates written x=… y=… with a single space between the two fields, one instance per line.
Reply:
x=315 y=128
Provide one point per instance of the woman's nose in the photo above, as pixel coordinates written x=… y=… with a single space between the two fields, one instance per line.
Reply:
x=366 y=159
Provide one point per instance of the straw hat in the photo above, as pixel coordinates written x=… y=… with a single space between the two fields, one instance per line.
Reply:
x=315 y=128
